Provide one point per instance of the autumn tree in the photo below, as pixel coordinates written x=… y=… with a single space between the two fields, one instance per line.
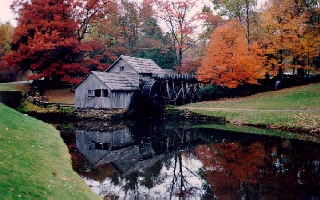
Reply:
x=152 y=43
x=288 y=40
x=131 y=29
x=110 y=32
x=7 y=72
x=309 y=57
x=211 y=22
x=242 y=10
x=228 y=60
x=48 y=37
x=181 y=24
x=189 y=66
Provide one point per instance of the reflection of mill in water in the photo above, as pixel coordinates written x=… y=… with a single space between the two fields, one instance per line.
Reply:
x=126 y=154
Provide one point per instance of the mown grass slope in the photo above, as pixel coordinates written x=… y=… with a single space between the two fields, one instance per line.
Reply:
x=34 y=161
x=295 y=108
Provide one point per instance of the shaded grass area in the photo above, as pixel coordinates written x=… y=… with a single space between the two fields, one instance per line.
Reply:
x=294 y=109
x=59 y=94
x=24 y=87
x=259 y=131
x=27 y=107
x=35 y=163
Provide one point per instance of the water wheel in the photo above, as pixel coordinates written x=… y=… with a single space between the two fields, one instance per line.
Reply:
x=153 y=95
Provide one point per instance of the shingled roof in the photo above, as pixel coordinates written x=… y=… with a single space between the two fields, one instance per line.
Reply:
x=141 y=65
x=115 y=81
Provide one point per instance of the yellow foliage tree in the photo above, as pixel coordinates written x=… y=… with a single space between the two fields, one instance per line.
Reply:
x=7 y=73
x=286 y=40
x=6 y=31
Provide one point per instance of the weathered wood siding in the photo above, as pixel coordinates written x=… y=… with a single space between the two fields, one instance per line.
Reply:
x=130 y=71
x=95 y=145
x=115 y=99
x=121 y=63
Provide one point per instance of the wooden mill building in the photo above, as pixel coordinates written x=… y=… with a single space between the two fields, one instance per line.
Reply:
x=127 y=79
x=140 y=68
x=101 y=90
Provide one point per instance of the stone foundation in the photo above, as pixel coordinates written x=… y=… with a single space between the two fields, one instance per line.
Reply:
x=101 y=114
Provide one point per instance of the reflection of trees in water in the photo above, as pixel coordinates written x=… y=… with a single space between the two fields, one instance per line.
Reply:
x=228 y=166
x=129 y=165
x=159 y=180
x=258 y=170
x=171 y=177
x=232 y=165
x=180 y=186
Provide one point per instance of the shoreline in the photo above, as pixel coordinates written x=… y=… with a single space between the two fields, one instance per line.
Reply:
x=210 y=112
x=181 y=112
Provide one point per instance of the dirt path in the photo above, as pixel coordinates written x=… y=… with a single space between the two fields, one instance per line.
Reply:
x=244 y=109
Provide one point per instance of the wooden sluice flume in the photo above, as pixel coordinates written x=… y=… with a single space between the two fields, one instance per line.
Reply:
x=176 y=89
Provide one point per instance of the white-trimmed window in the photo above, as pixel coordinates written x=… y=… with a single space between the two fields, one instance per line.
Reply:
x=90 y=93
x=121 y=68
x=98 y=93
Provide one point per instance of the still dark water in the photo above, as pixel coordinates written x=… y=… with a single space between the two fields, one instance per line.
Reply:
x=162 y=159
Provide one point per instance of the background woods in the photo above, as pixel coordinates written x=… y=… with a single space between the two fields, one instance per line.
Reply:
x=7 y=73
x=227 y=43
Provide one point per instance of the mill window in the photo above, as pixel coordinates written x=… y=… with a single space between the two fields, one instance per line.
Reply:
x=97 y=93
x=104 y=93
x=90 y=93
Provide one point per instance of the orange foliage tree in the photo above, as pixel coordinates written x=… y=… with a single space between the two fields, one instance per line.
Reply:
x=229 y=61
x=48 y=37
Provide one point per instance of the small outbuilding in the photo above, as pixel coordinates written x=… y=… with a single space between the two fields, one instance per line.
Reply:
x=101 y=90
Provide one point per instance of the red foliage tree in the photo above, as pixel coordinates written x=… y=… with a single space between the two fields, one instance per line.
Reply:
x=189 y=67
x=48 y=37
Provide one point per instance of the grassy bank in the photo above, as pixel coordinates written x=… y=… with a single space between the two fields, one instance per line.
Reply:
x=34 y=161
x=62 y=94
x=295 y=109
x=24 y=87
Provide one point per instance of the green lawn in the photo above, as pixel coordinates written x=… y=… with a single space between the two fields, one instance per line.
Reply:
x=34 y=161
x=303 y=97
x=291 y=109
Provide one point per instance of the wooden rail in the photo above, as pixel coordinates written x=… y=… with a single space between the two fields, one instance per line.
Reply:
x=42 y=101
x=178 y=77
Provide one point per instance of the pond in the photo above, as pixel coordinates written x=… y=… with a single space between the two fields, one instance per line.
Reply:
x=163 y=159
